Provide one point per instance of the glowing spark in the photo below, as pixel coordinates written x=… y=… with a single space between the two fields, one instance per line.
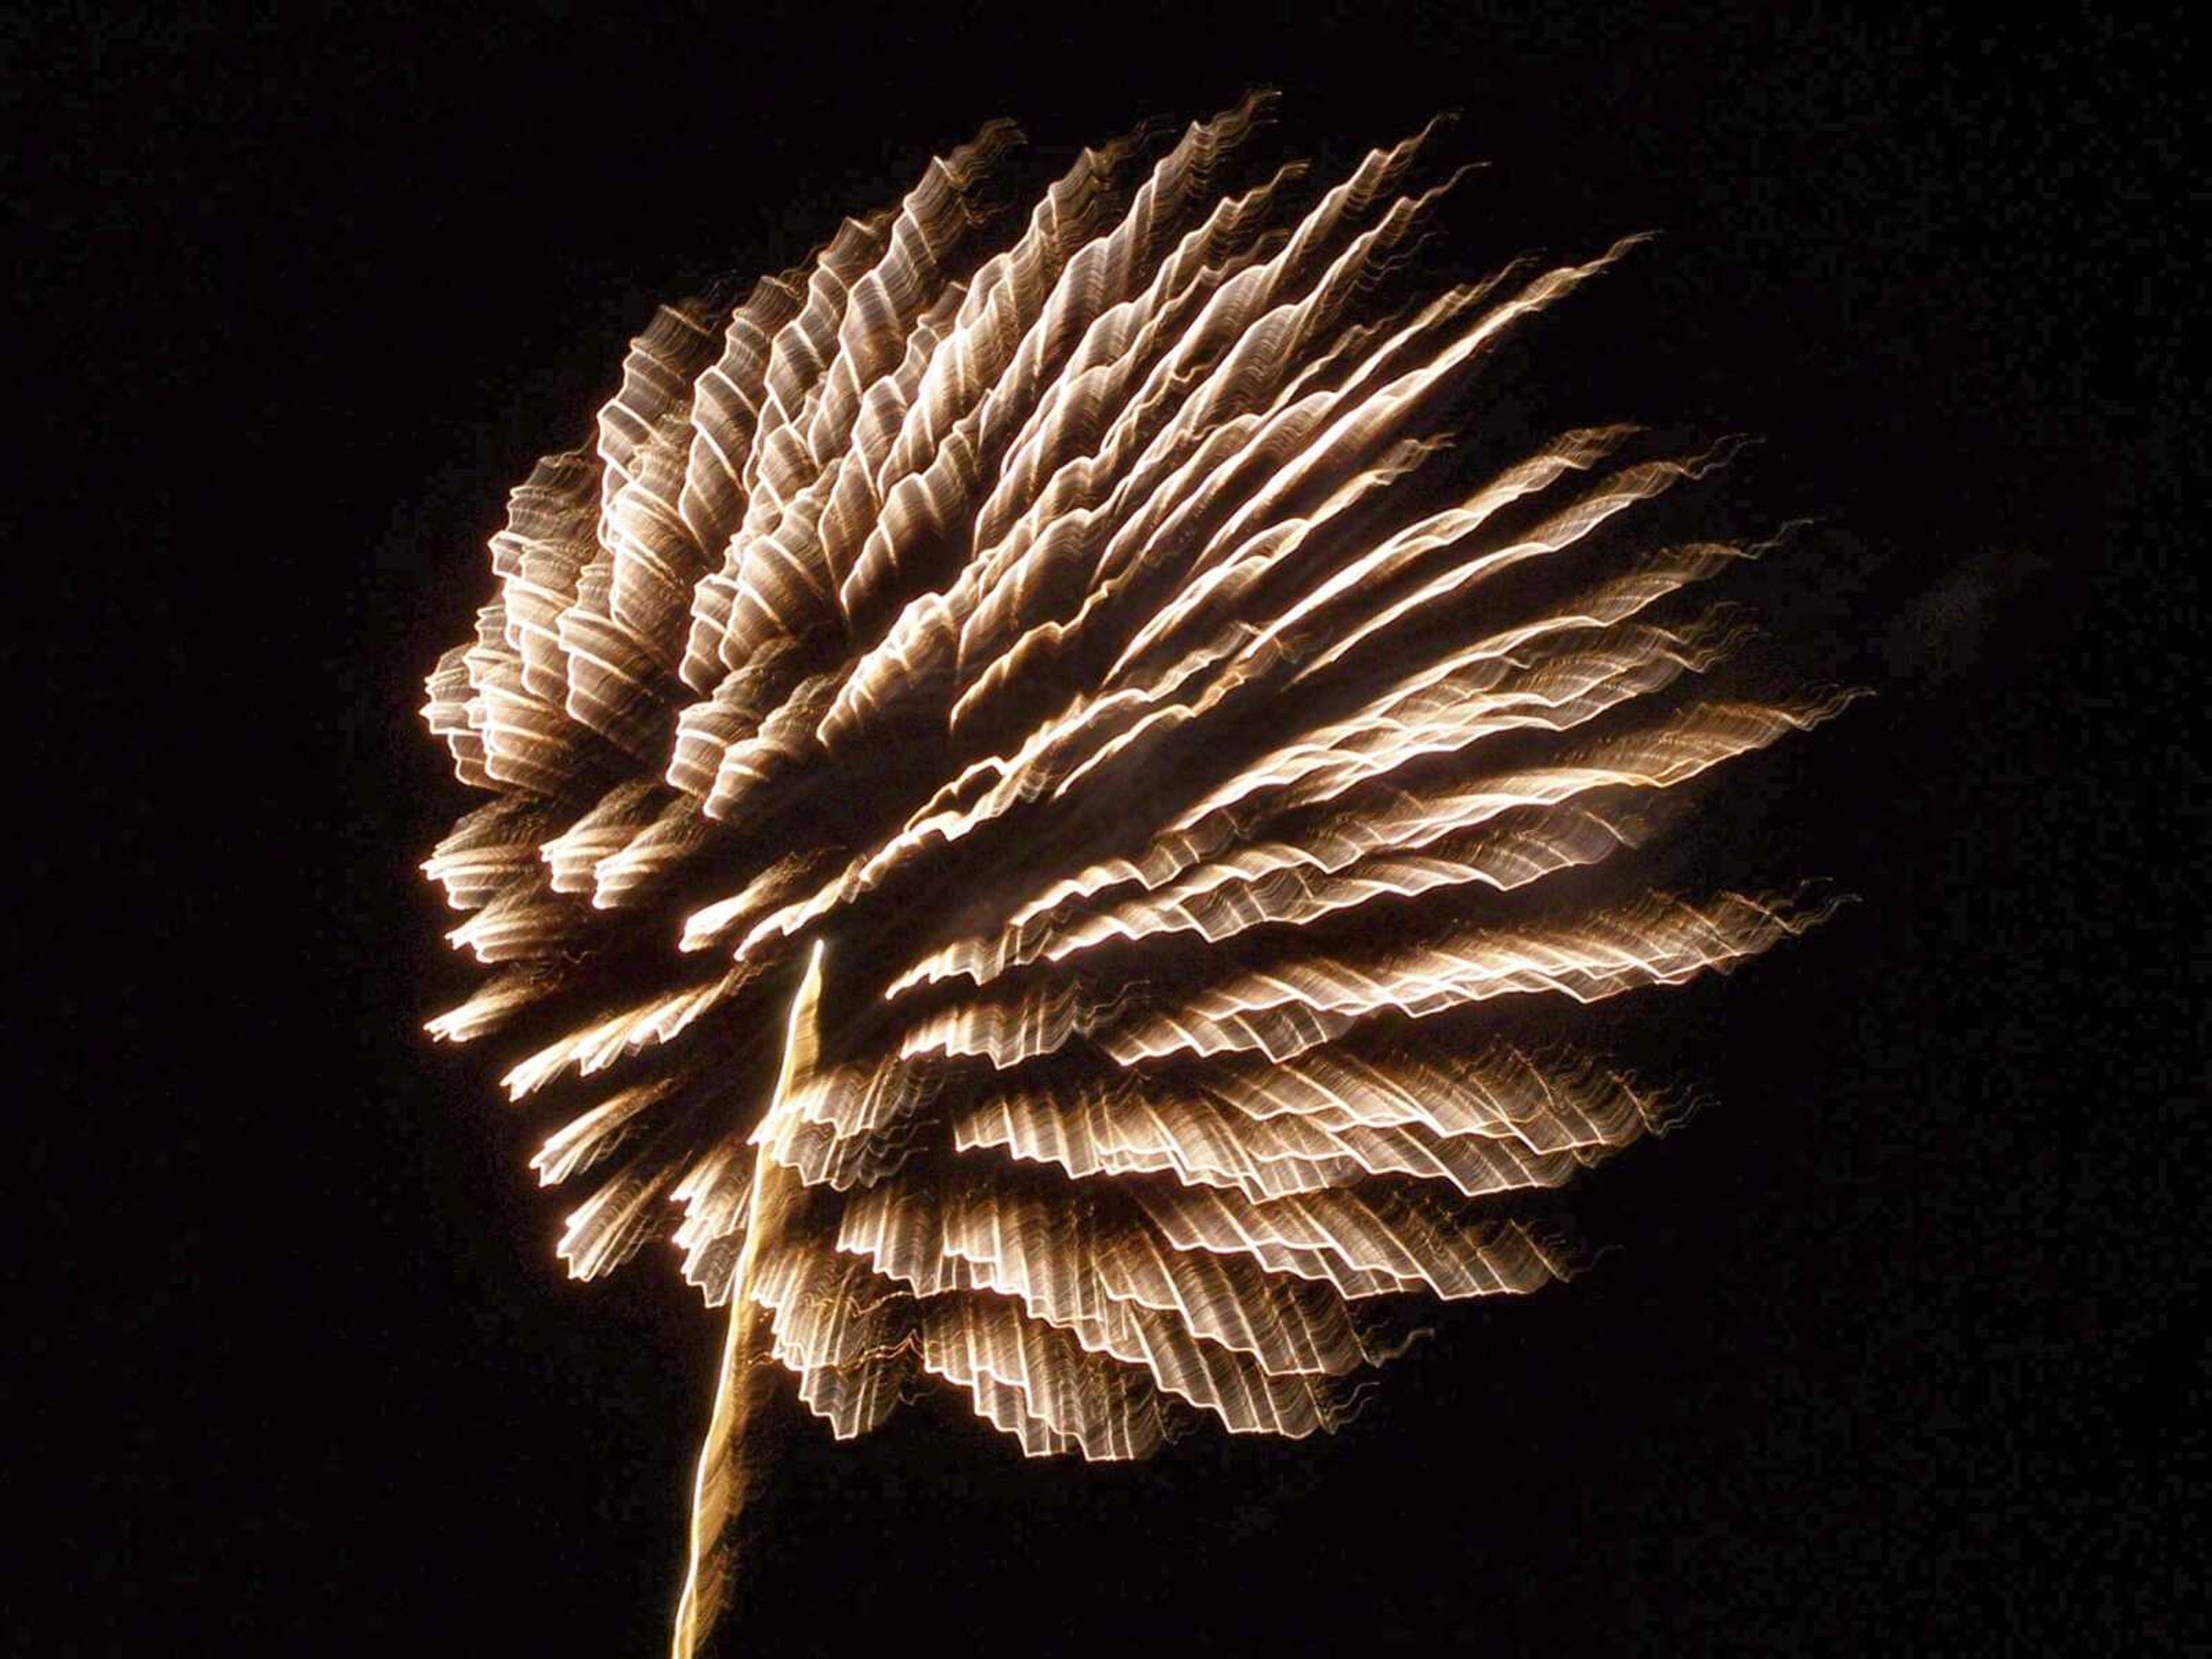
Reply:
x=1065 y=651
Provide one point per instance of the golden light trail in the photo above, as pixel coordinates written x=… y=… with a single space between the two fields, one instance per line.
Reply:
x=1022 y=765
x=718 y=1487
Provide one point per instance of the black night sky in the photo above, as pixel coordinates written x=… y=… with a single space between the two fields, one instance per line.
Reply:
x=1897 y=1346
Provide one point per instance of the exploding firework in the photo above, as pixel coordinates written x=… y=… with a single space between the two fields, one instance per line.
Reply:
x=1015 y=795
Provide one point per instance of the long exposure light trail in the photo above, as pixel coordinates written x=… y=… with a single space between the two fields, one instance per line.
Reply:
x=1022 y=762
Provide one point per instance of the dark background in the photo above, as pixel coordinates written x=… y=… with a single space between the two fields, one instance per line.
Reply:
x=1899 y=1344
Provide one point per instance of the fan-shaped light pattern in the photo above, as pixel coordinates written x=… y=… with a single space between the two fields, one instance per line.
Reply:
x=1017 y=764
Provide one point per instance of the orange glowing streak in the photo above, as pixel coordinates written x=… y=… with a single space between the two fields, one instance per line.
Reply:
x=716 y=1489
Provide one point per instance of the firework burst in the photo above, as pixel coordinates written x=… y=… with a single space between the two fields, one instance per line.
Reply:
x=1015 y=792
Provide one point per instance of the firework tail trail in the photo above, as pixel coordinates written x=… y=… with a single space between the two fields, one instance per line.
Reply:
x=719 y=1486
